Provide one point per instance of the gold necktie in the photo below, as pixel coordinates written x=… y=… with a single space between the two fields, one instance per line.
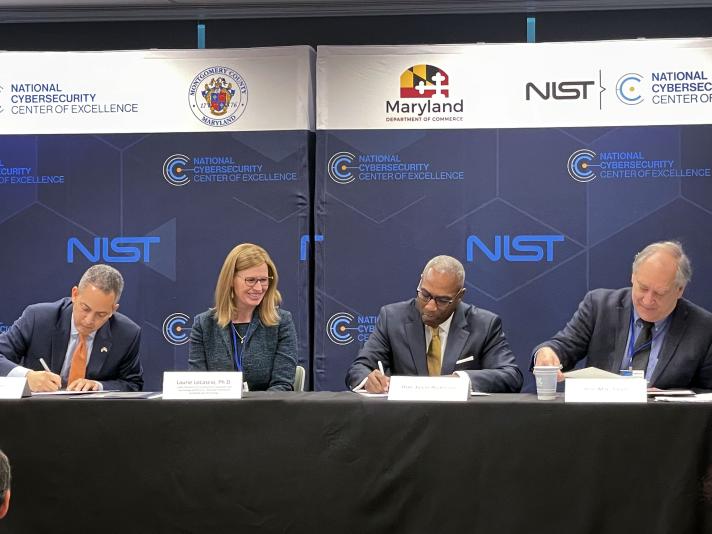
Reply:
x=78 y=367
x=434 y=352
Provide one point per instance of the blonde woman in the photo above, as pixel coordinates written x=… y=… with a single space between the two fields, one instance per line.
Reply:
x=246 y=330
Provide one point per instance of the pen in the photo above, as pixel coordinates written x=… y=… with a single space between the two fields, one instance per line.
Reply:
x=44 y=364
x=380 y=367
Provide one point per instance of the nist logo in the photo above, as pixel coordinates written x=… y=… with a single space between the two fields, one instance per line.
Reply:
x=560 y=90
x=515 y=248
x=113 y=250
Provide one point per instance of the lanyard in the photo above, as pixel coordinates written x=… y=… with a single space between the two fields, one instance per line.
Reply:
x=631 y=337
x=237 y=353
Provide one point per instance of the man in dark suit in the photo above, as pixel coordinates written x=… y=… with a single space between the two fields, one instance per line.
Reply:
x=85 y=343
x=647 y=327
x=437 y=334
x=4 y=485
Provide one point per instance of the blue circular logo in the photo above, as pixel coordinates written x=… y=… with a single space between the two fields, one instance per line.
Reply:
x=174 y=170
x=629 y=90
x=339 y=168
x=175 y=329
x=338 y=326
x=579 y=165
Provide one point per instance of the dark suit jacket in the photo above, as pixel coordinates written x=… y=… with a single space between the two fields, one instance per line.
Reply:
x=599 y=330
x=43 y=331
x=399 y=343
x=269 y=357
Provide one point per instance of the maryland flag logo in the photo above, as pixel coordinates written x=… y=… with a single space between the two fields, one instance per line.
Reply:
x=424 y=81
x=217 y=95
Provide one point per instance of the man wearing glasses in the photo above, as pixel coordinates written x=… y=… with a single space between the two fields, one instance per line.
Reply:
x=436 y=334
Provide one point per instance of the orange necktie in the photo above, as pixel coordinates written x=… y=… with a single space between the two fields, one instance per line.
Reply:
x=78 y=368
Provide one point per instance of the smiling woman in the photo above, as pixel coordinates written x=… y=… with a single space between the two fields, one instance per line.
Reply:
x=246 y=330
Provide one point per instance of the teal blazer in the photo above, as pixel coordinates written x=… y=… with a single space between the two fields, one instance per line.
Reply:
x=269 y=353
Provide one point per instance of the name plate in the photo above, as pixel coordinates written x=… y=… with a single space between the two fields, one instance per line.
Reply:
x=606 y=390
x=14 y=388
x=429 y=388
x=202 y=385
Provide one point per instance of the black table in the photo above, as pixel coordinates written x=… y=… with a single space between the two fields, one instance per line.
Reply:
x=338 y=462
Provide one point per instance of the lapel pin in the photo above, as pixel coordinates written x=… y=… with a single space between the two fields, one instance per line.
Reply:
x=104 y=349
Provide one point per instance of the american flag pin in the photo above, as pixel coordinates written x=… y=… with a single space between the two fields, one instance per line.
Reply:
x=104 y=349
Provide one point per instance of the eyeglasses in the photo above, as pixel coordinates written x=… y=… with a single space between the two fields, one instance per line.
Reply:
x=440 y=302
x=251 y=280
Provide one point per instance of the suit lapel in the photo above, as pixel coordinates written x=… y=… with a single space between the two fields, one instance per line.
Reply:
x=60 y=339
x=100 y=350
x=456 y=338
x=678 y=325
x=622 y=328
x=226 y=340
x=415 y=336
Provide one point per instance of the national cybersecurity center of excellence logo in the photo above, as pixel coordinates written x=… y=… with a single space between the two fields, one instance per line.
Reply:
x=665 y=87
x=425 y=97
x=346 y=167
x=217 y=96
x=180 y=170
x=175 y=329
x=344 y=328
x=585 y=165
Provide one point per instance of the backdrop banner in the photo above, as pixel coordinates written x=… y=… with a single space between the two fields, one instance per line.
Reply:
x=543 y=174
x=157 y=163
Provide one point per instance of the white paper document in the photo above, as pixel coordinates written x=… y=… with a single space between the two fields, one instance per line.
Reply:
x=591 y=372
x=701 y=397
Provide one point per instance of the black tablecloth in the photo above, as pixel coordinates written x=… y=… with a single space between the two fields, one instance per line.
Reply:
x=338 y=462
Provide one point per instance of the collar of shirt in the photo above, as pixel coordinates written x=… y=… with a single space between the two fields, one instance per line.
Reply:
x=637 y=321
x=75 y=333
x=443 y=330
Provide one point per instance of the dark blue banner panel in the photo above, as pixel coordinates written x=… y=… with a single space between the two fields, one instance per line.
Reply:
x=537 y=217
x=164 y=209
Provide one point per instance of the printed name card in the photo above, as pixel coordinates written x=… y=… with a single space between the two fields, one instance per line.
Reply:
x=14 y=388
x=620 y=389
x=429 y=388
x=202 y=385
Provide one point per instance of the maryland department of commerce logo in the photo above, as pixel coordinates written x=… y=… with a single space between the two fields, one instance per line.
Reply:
x=218 y=96
x=629 y=89
x=174 y=170
x=580 y=165
x=175 y=329
x=340 y=167
x=424 y=81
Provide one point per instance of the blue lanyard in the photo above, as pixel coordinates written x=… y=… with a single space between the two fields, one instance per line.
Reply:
x=631 y=337
x=237 y=353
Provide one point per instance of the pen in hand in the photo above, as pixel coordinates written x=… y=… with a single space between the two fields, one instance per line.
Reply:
x=44 y=364
x=380 y=367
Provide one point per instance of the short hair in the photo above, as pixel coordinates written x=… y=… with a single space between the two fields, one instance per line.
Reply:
x=448 y=265
x=243 y=257
x=4 y=474
x=683 y=273
x=104 y=278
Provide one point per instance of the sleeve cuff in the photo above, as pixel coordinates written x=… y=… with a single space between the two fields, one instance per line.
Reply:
x=18 y=372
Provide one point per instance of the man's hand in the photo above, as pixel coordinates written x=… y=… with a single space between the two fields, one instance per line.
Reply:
x=83 y=384
x=377 y=382
x=43 y=381
x=547 y=356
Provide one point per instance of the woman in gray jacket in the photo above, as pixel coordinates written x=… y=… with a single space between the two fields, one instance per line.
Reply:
x=246 y=330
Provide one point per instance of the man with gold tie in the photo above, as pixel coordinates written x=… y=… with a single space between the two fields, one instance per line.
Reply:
x=78 y=342
x=436 y=334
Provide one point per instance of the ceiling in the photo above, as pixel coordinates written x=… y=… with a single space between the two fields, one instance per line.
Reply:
x=86 y=10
